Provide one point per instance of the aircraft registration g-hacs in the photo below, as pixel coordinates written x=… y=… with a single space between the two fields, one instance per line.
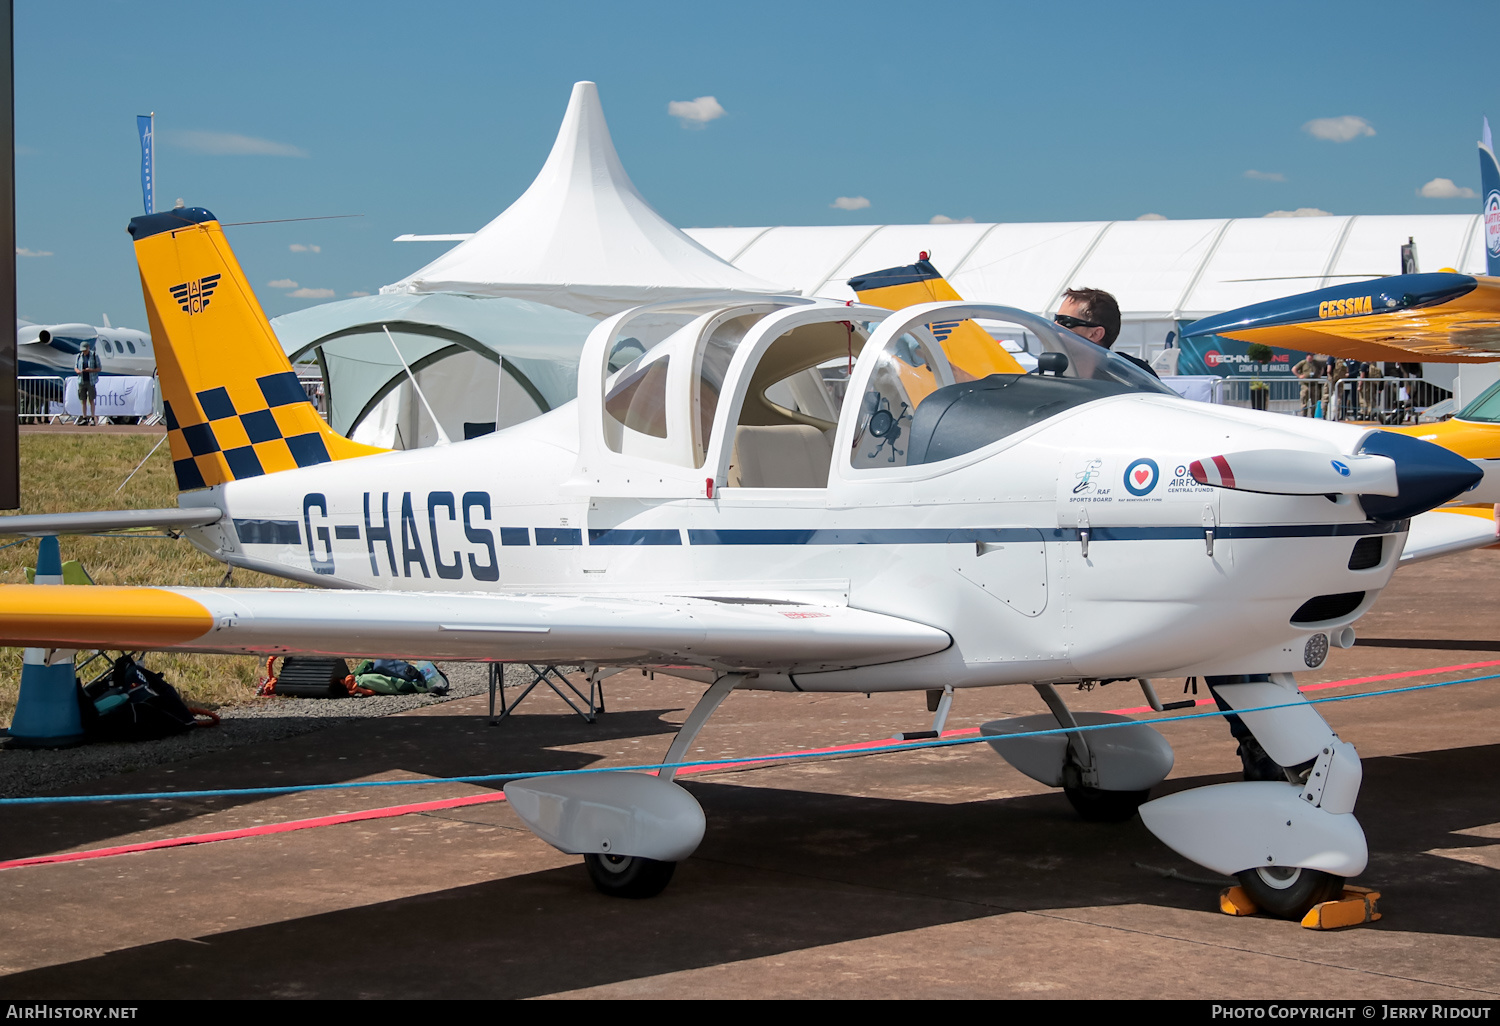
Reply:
x=793 y=495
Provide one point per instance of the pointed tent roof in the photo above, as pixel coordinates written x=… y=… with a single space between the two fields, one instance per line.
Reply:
x=581 y=237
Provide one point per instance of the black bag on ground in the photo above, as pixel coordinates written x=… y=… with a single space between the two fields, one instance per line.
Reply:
x=312 y=677
x=133 y=704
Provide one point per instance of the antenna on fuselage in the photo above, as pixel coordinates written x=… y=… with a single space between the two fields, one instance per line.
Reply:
x=443 y=438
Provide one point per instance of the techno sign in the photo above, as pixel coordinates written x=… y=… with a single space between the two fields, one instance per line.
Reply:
x=1227 y=358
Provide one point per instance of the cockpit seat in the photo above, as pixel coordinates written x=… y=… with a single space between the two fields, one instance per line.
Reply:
x=780 y=456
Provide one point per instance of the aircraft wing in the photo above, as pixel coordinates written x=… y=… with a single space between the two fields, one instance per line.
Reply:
x=780 y=634
x=1445 y=530
x=1431 y=318
x=107 y=520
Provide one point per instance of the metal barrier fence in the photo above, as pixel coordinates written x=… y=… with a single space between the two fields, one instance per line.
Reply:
x=1383 y=400
x=312 y=384
x=39 y=400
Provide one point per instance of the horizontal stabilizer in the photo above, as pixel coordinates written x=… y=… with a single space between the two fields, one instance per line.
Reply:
x=1294 y=472
x=100 y=521
x=1441 y=532
x=723 y=634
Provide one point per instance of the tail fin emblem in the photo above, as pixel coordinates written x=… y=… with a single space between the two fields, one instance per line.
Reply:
x=192 y=296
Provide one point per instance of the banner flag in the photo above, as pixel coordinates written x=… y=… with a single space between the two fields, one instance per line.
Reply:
x=146 y=124
x=115 y=396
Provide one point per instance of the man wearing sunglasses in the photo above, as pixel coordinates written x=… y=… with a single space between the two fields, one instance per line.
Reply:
x=1093 y=314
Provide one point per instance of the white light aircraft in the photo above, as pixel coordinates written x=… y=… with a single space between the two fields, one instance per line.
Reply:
x=718 y=503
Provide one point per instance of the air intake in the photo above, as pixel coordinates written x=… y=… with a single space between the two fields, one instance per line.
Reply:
x=1367 y=553
x=1328 y=607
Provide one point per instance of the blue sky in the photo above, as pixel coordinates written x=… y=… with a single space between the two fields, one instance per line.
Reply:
x=433 y=119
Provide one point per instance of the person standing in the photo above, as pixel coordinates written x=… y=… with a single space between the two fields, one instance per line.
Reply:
x=1369 y=370
x=1337 y=371
x=1309 y=369
x=86 y=364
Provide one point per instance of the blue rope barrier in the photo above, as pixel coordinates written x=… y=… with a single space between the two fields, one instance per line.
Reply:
x=906 y=746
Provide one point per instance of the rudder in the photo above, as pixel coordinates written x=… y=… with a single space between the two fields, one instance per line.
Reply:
x=234 y=407
x=970 y=348
x=1489 y=188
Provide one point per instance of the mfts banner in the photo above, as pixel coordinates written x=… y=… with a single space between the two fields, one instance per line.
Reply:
x=1226 y=357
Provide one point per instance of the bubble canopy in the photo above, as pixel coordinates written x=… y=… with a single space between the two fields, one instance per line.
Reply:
x=756 y=394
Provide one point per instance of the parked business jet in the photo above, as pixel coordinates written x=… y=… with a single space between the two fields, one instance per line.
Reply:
x=48 y=350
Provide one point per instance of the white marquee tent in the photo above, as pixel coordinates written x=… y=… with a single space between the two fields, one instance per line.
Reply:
x=478 y=360
x=582 y=238
x=1163 y=272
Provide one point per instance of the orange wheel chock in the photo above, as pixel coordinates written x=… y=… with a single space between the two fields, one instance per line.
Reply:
x=1233 y=901
x=1355 y=906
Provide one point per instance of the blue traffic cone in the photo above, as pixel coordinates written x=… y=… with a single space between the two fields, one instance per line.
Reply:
x=47 y=708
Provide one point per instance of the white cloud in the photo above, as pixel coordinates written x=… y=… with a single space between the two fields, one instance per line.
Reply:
x=1341 y=129
x=23 y=251
x=1444 y=188
x=312 y=294
x=298 y=247
x=282 y=283
x=1300 y=212
x=1152 y=217
x=696 y=113
x=942 y=218
x=359 y=293
x=229 y=144
x=1265 y=176
x=850 y=203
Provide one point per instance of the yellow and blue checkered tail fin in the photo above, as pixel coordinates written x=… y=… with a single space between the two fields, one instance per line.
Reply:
x=234 y=406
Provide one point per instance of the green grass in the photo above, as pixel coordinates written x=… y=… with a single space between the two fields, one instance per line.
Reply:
x=62 y=473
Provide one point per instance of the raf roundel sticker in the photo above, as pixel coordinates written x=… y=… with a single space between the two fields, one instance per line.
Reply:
x=1492 y=223
x=1141 y=477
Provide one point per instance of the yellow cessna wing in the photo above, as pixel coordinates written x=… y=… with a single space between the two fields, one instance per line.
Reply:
x=1445 y=317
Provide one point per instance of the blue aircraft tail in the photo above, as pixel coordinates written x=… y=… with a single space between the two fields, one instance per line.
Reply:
x=1489 y=181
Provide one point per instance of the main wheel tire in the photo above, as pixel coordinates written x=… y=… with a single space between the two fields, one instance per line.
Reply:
x=629 y=876
x=1287 y=892
x=1100 y=806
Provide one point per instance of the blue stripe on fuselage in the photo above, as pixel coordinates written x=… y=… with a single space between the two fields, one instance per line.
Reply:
x=949 y=536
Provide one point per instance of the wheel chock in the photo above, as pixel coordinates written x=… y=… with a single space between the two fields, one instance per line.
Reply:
x=1233 y=901
x=1355 y=906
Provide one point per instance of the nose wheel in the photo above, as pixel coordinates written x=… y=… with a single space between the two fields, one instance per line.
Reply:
x=1289 y=891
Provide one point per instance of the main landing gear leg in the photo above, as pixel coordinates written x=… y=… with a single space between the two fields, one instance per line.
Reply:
x=1081 y=774
x=688 y=732
x=631 y=828
x=634 y=876
x=1106 y=780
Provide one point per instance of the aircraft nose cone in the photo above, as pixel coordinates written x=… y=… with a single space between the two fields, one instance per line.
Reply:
x=1427 y=475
